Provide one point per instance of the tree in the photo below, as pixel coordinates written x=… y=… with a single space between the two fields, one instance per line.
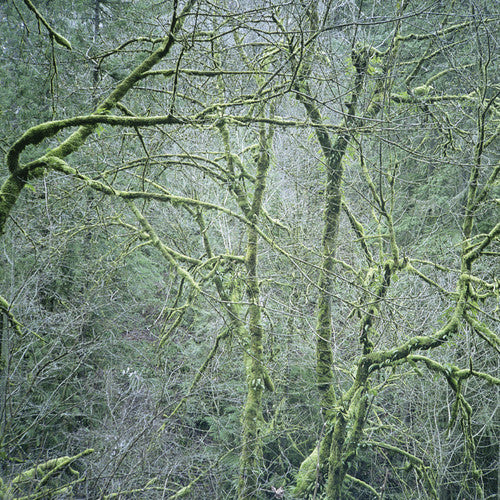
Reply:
x=211 y=145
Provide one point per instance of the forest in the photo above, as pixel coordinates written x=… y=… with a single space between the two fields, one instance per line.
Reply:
x=249 y=249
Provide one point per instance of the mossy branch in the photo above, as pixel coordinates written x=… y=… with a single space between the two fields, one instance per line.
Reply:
x=412 y=462
x=413 y=270
x=478 y=249
x=43 y=472
x=484 y=332
x=359 y=232
x=14 y=184
x=364 y=484
x=133 y=493
x=388 y=357
x=164 y=250
x=438 y=33
x=58 y=38
x=452 y=371
x=222 y=335
x=35 y=135
x=62 y=166
x=6 y=308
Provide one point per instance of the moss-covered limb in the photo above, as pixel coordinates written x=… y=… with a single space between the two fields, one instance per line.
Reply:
x=234 y=185
x=357 y=417
x=308 y=474
x=446 y=71
x=263 y=162
x=256 y=376
x=63 y=167
x=138 y=39
x=478 y=248
x=177 y=255
x=252 y=423
x=75 y=140
x=38 y=133
x=43 y=472
x=416 y=461
x=164 y=250
x=423 y=93
x=330 y=459
x=413 y=270
x=347 y=431
x=383 y=207
x=245 y=120
x=213 y=168
x=484 y=332
x=333 y=153
x=490 y=182
x=454 y=376
x=9 y=193
x=87 y=125
x=230 y=298
x=250 y=101
x=336 y=468
x=178 y=159
x=427 y=56
x=57 y=37
x=134 y=492
x=7 y=309
x=489 y=289
x=205 y=73
x=385 y=358
x=368 y=321
x=275 y=222
x=331 y=448
x=435 y=265
x=365 y=485
x=49 y=492
x=62 y=463
x=454 y=371
x=473 y=186
x=493 y=138
x=229 y=306
x=413 y=462
x=166 y=332
x=359 y=232
x=439 y=33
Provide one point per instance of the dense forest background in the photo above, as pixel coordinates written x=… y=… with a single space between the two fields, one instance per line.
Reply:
x=249 y=249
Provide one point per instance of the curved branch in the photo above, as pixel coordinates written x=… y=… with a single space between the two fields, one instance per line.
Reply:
x=58 y=38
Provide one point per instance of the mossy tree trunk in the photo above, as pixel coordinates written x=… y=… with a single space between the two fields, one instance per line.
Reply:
x=330 y=454
x=344 y=415
x=257 y=377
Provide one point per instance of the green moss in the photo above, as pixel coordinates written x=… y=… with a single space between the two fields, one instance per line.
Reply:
x=9 y=193
x=307 y=475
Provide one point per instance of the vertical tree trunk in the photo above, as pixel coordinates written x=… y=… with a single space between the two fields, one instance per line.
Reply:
x=256 y=375
x=331 y=457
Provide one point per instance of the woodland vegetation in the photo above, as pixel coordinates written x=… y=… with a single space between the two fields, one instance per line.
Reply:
x=249 y=249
